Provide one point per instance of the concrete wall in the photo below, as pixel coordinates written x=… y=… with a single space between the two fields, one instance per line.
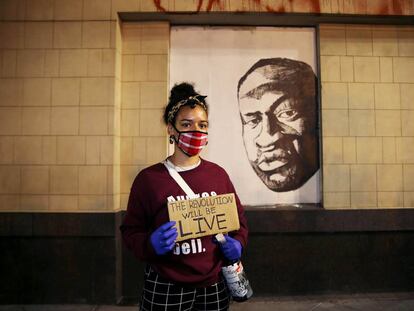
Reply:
x=57 y=109
x=81 y=97
x=76 y=93
x=367 y=114
x=144 y=94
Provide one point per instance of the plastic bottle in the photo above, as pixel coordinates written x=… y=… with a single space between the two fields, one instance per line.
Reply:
x=235 y=277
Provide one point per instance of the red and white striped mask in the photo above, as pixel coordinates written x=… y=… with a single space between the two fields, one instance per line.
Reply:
x=191 y=142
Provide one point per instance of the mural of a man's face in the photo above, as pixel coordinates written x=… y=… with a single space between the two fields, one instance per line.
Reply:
x=278 y=109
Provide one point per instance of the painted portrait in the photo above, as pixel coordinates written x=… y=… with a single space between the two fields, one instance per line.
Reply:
x=261 y=85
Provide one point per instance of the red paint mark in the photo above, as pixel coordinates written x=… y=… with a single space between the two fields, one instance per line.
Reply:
x=316 y=8
x=211 y=3
x=384 y=10
x=397 y=7
x=158 y=5
x=291 y=5
x=257 y=5
x=199 y=5
x=280 y=9
x=314 y=5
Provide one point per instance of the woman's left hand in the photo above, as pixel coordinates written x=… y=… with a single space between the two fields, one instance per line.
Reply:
x=232 y=249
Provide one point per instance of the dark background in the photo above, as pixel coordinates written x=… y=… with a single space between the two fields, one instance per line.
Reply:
x=79 y=257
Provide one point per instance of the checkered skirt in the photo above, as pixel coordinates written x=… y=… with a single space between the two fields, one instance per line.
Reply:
x=160 y=294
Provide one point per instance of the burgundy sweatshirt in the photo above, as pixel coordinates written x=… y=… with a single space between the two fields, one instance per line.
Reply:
x=196 y=262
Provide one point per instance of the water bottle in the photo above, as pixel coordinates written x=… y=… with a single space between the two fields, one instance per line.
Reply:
x=235 y=277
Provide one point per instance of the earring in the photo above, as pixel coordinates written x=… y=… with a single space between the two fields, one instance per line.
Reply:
x=171 y=139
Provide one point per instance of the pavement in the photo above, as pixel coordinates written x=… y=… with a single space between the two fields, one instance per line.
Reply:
x=357 y=302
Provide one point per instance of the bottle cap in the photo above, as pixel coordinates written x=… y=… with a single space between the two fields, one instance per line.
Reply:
x=220 y=238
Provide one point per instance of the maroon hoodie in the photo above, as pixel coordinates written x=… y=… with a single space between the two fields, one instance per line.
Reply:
x=196 y=262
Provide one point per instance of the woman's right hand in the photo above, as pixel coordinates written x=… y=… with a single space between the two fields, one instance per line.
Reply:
x=163 y=239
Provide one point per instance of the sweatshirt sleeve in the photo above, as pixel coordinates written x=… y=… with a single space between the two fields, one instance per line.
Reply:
x=135 y=227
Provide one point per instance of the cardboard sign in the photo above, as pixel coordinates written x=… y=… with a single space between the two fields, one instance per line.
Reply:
x=204 y=216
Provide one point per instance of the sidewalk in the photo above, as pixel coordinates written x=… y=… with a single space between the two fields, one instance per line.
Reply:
x=359 y=302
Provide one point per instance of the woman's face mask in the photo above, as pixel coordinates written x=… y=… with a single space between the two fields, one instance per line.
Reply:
x=191 y=142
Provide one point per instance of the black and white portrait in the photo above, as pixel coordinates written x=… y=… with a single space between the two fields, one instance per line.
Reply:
x=261 y=85
x=278 y=110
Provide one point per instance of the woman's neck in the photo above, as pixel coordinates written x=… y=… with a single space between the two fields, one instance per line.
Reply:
x=182 y=160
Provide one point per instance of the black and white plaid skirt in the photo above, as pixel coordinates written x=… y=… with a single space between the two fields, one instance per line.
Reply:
x=160 y=294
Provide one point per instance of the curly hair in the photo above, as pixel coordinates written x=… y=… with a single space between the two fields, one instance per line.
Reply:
x=182 y=94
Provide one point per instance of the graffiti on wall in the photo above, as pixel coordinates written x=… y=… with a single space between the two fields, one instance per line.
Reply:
x=379 y=7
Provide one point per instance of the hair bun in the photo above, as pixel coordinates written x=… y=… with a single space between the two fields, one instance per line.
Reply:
x=181 y=91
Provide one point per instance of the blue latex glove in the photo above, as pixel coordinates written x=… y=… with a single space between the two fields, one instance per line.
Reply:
x=232 y=249
x=163 y=239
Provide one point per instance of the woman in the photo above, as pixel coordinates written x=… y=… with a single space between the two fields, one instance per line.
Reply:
x=181 y=275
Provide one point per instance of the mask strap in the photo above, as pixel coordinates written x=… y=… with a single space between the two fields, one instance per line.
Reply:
x=179 y=133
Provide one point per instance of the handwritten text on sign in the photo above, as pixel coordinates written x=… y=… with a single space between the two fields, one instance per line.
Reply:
x=204 y=216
